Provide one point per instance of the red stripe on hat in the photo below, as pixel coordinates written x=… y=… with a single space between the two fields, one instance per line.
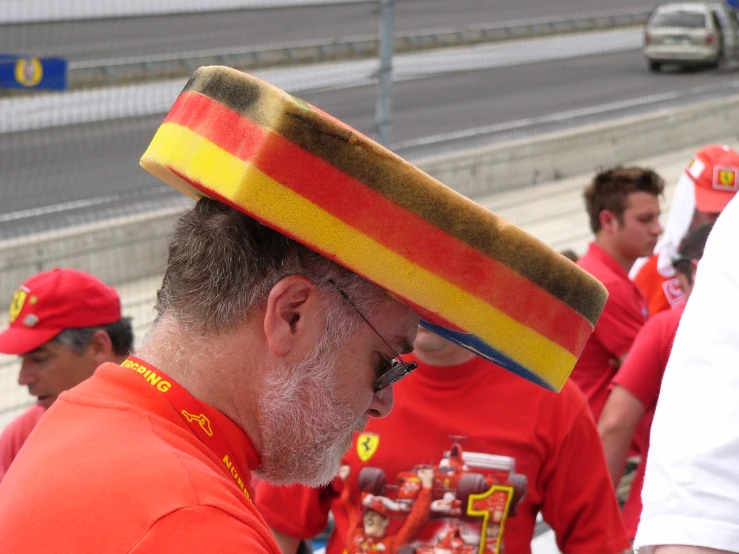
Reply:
x=382 y=219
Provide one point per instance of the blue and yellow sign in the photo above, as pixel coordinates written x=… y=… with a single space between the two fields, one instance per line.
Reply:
x=26 y=72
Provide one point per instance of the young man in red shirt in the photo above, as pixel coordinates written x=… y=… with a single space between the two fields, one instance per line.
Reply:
x=63 y=324
x=546 y=444
x=706 y=186
x=623 y=207
x=637 y=384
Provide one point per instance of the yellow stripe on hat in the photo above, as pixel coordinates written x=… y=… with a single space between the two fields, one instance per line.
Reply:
x=268 y=200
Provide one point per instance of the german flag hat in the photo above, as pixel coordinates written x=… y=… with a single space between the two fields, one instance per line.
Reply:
x=474 y=278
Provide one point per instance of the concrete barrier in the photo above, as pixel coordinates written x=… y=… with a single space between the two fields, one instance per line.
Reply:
x=142 y=239
x=118 y=250
x=92 y=73
x=552 y=156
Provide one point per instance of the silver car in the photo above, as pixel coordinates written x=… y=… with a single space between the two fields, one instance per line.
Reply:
x=691 y=34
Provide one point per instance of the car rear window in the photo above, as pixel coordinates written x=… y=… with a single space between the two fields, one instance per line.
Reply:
x=693 y=20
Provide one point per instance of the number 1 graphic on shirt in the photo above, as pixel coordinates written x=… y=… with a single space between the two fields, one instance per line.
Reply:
x=492 y=506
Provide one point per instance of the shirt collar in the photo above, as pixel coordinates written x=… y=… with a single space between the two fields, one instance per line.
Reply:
x=237 y=440
x=601 y=255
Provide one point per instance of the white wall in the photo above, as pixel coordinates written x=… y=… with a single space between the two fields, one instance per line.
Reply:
x=25 y=11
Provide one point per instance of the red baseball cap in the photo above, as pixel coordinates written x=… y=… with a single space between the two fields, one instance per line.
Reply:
x=376 y=504
x=52 y=301
x=715 y=171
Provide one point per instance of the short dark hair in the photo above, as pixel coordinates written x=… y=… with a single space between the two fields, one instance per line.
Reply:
x=223 y=263
x=120 y=333
x=691 y=248
x=609 y=190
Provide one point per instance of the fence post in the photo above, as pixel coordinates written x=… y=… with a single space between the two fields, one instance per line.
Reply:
x=385 y=74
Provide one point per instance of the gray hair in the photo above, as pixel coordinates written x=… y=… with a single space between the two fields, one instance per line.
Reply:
x=120 y=333
x=222 y=265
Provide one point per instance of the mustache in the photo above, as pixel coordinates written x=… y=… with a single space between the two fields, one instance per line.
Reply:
x=361 y=424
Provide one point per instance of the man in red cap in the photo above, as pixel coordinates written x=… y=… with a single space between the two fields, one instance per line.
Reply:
x=63 y=324
x=690 y=496
x=706 y=186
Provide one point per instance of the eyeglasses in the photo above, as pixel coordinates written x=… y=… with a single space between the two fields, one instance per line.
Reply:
x=399 y=368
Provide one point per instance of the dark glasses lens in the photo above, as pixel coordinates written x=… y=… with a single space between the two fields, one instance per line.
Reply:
x=397 y=371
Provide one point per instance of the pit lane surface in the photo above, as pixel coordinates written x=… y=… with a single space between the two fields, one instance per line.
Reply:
x=113 y=38
x=56 y=177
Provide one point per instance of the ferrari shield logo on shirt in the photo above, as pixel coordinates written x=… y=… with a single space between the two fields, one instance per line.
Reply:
x=725 y=178
x=367 y=444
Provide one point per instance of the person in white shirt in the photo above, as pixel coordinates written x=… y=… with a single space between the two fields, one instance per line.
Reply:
x=691 y=486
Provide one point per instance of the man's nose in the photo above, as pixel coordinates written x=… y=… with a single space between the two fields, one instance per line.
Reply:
x=382 y=403
x=26 y=376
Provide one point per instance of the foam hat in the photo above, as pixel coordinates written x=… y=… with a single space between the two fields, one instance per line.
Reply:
x=474 y=278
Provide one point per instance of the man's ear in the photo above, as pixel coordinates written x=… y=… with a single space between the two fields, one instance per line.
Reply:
x=291 y=305
x=608 y=221
x=100 y=347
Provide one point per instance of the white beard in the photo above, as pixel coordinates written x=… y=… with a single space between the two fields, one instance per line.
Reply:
x=305 y=428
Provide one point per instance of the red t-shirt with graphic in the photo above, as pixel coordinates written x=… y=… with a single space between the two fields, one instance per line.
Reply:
x=641 y=375
x=114 y=467
x=549 y=438
x=623 y=316
x=661 y=293
x=15 y=434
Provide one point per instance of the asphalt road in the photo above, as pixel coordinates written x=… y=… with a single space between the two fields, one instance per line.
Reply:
x=64 y=175
x=112 y=38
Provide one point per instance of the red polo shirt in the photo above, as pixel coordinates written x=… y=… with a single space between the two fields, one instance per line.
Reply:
x=15 y=434
x=624 y=314
x=122 y=464
x=641 y=375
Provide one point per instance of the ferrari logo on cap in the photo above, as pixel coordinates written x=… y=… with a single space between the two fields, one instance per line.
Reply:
x=725 y=178
x=16 y=304
x=367 y=444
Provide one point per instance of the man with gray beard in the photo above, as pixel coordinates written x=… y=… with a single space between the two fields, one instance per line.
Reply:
x=293 y=288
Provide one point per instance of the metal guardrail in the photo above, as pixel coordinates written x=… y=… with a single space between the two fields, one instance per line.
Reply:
x=162 y=66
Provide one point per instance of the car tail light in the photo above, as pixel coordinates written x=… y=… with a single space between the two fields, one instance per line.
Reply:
x=710 y=38
x=647 y=38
